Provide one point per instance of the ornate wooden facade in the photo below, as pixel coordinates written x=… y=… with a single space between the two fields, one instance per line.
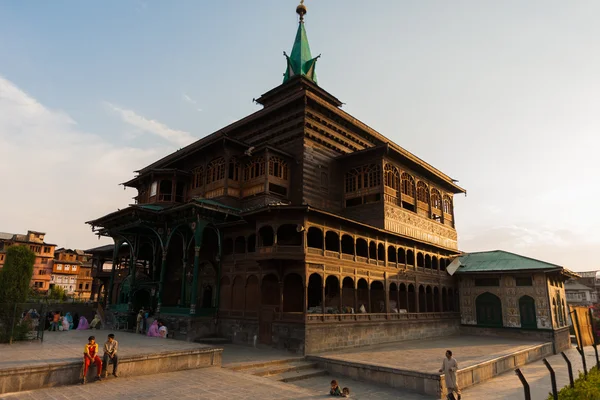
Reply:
x=310 y=217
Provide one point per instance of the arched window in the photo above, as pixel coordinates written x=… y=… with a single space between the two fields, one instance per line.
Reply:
x=392 y=177
x=436 y=199
x=234 y=170
x=408 y=185
x=447 y=204
x=489 y=310
x=198 y=177
x=372 y=176
x=353 y=180
x=422 y=192
x=215 y=170
x=363 y=177
x=255 y=168
x=527 y=311
x=278 y=168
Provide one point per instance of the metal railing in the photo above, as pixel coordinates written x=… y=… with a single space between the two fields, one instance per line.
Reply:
x=22 y=321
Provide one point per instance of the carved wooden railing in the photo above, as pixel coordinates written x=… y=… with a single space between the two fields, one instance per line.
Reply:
x=350 y=318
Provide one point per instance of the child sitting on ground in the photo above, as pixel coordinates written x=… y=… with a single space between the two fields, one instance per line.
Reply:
x=335 y=389
x=345 y=392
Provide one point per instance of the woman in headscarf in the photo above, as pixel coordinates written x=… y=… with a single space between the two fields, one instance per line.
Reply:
x=83 y=324
x=65 y=323
x=153 y=331
x=75 y=320
x=70 y=319
x=97 y=320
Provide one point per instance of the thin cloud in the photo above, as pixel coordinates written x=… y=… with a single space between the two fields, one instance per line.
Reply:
x=191 y=101
x=181 y=138
x=56 y=175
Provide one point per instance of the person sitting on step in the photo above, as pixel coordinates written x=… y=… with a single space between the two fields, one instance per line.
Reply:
x=90 y=355
x=335 y=389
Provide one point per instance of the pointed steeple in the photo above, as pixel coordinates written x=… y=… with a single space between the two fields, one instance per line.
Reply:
x=300 y=62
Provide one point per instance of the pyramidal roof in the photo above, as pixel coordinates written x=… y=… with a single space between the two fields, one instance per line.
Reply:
x=300 y=62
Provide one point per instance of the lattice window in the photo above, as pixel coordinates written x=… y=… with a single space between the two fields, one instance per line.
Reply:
x=392 y=177
x=436 y=199
x=255 y=168
x=198 y=177
x=234 y=170
x=353 y=180
x=278 y=168
x=408 y=185
x=447 y=204
x=371 y=176
x=215 y=170
x=422 y=192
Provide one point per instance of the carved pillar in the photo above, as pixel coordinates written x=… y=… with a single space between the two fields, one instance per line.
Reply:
x=355 y=295
x=341 y=295
x=387 y=294
x=417 y=305
x=132 y=271
x=161 y=283
x=370 y=308
x=194 y=298
x=323 y=294
x=305 y=297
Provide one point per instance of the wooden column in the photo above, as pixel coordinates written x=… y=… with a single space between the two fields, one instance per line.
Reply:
x=194 y=297
x=386 y=290
x=341 y=294
x=417 y=305
x=115 y=261
x=280 y=296
x=161 y=284
x=183 y=280
x=323 y=294
x=370 y=308
x=355 y=296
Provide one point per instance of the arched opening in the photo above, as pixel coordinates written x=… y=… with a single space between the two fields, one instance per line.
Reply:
x=207 y=297
x=348 y=293
x=451 y=300
x=315 y=285
x=362 y=294
x=436 y=300
x=422 y=299
x=442 y=264
x=252 y=243
x=293 y=293
x=434 y=263
x=489 y=310
x=380 y=252
x=393 y=297
x=401 y=255
x=252 y=293
x=238 y=293
x=391 y=254
x=270 y=291
x=420 y=260
x=411 y=299
x=227 y=246
x=314 y=238
x=444 y=300
x=266 y=236
x=288 y=235
x=332 y=293
x=429 y=294
x=377 y=297
x=332 y=241
x=372 y=250
x=564 y=311
x=403 y=297
x=240 y=245
x=560 y=310
x=347 y=244
x=527 y=311
x=428 y=261
x=225 y=294
x=362 y=249
x=410 y=257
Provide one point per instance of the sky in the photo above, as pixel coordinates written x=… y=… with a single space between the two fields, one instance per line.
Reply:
x=502 y=96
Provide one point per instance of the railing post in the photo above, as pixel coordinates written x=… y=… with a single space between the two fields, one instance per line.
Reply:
x=524 y=383
x=552 y=378
x=570 y=368
x=580 y=341
x=596 y=351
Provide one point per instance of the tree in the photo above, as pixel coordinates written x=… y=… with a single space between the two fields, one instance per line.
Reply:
x=58 y=293
x=16 y=274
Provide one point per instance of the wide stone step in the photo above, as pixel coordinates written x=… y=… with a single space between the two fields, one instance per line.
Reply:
x=256 y=365
x=282 y=368
x=298 y=375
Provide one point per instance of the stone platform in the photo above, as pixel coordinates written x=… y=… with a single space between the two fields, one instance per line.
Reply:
x=58 y=360
x=414 y=365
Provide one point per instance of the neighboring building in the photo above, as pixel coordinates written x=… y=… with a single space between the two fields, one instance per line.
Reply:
x=504 y=293
x=282 y=223
x=84 y=279
x=67 y=272
x=579 y=294
x=591 y=279
x=44 y=252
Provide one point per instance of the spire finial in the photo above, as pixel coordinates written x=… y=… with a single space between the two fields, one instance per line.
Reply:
x=301 y=10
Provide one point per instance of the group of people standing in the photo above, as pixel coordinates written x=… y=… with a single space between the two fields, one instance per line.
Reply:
x=157 y=328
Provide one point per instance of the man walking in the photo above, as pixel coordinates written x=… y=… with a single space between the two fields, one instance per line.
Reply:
x=110 y=354
x=449 y=369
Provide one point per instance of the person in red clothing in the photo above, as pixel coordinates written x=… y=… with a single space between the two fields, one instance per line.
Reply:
x=90 y=355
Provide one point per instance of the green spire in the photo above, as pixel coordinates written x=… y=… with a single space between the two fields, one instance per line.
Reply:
x=300 y=62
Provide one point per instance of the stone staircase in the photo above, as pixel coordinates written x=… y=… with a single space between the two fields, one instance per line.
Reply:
x=288 y=370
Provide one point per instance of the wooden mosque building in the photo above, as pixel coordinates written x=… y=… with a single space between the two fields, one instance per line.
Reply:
x=297 y=226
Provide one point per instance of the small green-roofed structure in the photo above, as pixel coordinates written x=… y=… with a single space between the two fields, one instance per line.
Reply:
x=501 y=261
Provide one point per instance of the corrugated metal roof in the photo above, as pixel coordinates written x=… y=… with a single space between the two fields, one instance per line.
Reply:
x=216 y=204
x=577 y=286
x=151 y=207
x=5 y=236
x=499 y=260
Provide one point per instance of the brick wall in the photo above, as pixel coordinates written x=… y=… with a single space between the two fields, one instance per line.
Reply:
x=327 y=337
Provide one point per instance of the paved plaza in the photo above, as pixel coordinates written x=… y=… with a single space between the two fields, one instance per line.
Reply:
x=68 y=346
x=426 y=355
